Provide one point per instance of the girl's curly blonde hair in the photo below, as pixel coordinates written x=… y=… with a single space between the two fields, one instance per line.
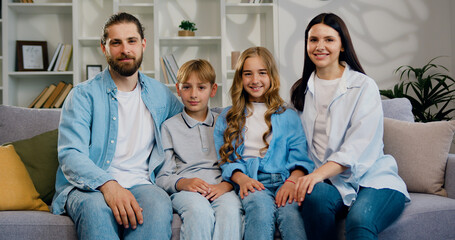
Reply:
x=236 y=116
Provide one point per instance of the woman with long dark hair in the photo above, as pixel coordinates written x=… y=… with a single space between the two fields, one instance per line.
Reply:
x=341 y=112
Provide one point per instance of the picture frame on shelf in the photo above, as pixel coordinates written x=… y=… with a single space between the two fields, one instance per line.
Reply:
x=31 y=55
x=92 y=70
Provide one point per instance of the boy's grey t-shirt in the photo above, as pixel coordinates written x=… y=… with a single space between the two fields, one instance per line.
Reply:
x=189 y=151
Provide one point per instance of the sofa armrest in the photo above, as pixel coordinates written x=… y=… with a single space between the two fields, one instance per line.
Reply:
x=450 y=176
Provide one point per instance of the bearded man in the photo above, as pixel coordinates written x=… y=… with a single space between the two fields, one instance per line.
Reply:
x=109 y=144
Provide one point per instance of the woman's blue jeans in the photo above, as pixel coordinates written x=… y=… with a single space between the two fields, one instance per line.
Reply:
x=372 y=212
x=261 y=213
x=94 y=219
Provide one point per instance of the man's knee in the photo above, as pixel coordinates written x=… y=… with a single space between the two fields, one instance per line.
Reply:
x=89 y=205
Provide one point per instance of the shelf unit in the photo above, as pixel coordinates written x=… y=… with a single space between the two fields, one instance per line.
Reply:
x=223 y=26
x=1 y=60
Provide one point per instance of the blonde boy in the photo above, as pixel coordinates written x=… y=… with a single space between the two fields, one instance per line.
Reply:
x=190 y=172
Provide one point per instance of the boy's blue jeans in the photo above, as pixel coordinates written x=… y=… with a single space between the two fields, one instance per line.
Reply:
x=261 y=213
x=205 y=220
x=94 y=219
x=372 y=212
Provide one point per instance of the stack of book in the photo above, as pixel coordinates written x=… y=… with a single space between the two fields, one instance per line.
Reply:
x=52 y=96
x=61 y=58
x=170 y=68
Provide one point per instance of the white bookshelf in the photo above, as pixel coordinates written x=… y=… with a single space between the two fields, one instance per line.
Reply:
x=223 y=26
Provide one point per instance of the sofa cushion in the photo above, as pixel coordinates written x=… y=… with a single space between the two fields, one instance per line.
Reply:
x=398 y=108
x=421 y=151
x=425 y=217
x=39 y=155
x=17 y=123
x=36 y=225
x=16 y=188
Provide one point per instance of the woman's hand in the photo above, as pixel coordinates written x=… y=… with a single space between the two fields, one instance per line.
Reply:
x=305 y=184
x=246 y=183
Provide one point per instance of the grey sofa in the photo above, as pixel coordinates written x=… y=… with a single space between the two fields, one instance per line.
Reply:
x=428 y=217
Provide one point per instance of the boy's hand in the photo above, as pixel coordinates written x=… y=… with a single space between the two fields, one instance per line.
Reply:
x=123 y=204
x=194 y=185
x=286 y=193
x=246 y=183
x=218 y=189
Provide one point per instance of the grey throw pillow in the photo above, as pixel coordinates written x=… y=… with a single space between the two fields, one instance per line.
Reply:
x=421 y=151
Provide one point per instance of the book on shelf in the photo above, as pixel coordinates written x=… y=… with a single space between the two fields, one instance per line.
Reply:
x=45 y=96
x=66 y=57
x=50 y=100
x=38 y=97
x=172 y=66
x=163 y=69
x=62 y=96
x=59 y=58
x=54 y=58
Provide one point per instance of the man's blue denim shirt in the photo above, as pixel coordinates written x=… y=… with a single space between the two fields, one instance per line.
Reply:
x=88 y=132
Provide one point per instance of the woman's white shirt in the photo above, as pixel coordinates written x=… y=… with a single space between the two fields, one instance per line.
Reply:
x=354 y=126
x=324 y=90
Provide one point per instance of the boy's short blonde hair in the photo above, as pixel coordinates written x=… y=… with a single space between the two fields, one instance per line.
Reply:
x=201 y=67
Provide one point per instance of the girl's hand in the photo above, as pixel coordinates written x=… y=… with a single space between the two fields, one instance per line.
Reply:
x=305 y=185
x=246 y=184
x=218 y=189
x=194 y=185
x=286 y=193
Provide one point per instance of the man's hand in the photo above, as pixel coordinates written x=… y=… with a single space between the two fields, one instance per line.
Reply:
x=246 y=183
x=194 y=185
x=218 y=189
x=123 y=204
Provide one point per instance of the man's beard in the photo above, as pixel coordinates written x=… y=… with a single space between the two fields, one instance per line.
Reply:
x=124 y=69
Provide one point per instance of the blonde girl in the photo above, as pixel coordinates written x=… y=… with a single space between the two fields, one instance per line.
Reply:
x=261 y=147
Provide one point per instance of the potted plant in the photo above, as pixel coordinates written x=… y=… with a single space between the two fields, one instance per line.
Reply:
x=430 y=92
x=187 y=27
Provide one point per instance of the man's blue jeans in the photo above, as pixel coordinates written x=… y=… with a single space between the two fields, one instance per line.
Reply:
x=202 y=219
x=261 y=213
x=372 y=212
x=94 y=219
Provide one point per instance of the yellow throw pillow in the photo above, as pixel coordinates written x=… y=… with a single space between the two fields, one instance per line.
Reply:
x=16 y=187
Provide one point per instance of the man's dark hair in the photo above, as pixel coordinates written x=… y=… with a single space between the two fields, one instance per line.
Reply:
x=121 y=17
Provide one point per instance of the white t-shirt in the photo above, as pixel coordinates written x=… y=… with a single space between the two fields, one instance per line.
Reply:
x=135 y=140
x=324 y=91
x=255 y=127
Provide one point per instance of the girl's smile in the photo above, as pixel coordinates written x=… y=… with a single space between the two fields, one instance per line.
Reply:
x=256 y=81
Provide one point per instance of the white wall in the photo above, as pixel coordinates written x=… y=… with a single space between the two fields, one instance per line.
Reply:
x=385 y=34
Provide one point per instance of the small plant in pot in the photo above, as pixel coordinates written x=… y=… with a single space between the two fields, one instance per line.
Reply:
x=429 y=88
x=188 y=28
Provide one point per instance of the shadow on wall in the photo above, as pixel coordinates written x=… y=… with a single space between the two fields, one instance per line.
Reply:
x=385 y=34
